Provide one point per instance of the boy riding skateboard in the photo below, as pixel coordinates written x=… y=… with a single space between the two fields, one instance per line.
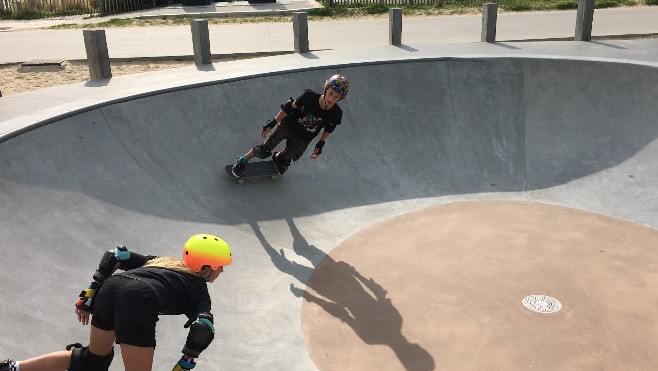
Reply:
x=299 y=122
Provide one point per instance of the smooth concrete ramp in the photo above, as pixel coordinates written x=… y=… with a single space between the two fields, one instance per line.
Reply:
x=148 y=173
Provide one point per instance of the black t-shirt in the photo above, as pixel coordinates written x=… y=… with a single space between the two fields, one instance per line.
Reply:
x=178 y=293
x=309 y=118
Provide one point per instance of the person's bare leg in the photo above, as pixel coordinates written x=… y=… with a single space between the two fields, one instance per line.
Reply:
x=100 y=341
x=250 y=154
x=55 y=361
x=136 y=358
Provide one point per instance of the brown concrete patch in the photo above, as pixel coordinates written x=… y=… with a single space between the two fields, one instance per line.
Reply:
x=442 y=289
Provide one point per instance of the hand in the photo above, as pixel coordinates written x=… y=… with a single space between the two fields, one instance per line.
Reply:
x=83 y=316
x=265 y=131
x=318 y=149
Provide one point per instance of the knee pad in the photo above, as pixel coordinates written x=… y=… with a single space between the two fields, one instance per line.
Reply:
x=261 y=151
x=84 y=360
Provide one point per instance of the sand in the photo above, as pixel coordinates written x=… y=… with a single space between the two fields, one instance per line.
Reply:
x=15 y=78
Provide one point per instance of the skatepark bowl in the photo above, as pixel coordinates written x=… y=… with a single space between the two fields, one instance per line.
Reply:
x=471 y=213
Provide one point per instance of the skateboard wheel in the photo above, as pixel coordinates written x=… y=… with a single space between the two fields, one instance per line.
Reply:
x=240 y=181
x=273 y=177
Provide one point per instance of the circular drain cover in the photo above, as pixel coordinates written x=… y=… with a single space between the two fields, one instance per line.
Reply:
x=542 y=303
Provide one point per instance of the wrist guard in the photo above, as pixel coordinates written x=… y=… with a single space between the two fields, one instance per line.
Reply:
x=270 y=124
x=184 y=363
x=85 y=297
x=319 y=146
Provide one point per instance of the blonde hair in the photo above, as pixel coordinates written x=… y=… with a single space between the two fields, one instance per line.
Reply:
x=178 y=266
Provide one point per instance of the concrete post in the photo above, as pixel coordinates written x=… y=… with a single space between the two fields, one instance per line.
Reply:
x=328 y=3
x=489 y=19
x=201 y=42
x=584 y=20
x=395 y=26
x=300 y=30
x=98 y=58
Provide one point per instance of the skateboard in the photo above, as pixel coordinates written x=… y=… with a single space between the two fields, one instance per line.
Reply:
x=254 y=170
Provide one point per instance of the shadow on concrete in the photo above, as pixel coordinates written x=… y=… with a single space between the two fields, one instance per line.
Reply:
x=607 y=44
x=309 y=55
x=206 y=68
x=300 y=272
x=407 y=48
x=506 y=46
x=97 y=83
x=338 y=288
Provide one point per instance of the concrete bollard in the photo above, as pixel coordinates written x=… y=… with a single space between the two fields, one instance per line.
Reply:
x=395 y=26
x=300 y=30
x=201 y=42
x=98 y=58
x=584 y=20
x=489 y=19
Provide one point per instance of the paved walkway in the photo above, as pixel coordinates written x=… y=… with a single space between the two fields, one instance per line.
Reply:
x=19 y=44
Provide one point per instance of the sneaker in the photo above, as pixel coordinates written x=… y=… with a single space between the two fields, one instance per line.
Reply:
x=238 y=168
x=8 y=365
x=280 y=168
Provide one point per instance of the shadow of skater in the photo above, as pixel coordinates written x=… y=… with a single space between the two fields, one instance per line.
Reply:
x=301 y=272
x=347 y=295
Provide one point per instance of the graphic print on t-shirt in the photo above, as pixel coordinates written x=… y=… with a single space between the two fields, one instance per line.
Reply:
x=310 y=122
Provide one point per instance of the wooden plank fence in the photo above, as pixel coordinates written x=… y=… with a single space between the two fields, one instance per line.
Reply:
x=412 y=2
x=26 y=9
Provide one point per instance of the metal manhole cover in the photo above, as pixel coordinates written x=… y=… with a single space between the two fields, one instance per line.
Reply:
x=542 y=303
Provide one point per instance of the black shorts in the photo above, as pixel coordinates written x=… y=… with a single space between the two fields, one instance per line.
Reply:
x=295 y=144
x=128 y=307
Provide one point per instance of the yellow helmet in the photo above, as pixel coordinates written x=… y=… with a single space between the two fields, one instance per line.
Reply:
x=206 y=249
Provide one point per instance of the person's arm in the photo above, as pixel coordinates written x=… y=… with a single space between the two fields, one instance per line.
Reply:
x=202 y=333
x=286 y=109
x=119 y=258
x=318 y=147
x=273 y=122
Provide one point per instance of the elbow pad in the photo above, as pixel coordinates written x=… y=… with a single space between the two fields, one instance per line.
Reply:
x=287 y=107
x=109 y=260
x=202 y=333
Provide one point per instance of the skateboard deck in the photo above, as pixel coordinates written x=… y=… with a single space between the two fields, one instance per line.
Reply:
x=254 y=170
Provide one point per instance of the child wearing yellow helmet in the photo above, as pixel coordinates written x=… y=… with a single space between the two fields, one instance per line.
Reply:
x=124 y=307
